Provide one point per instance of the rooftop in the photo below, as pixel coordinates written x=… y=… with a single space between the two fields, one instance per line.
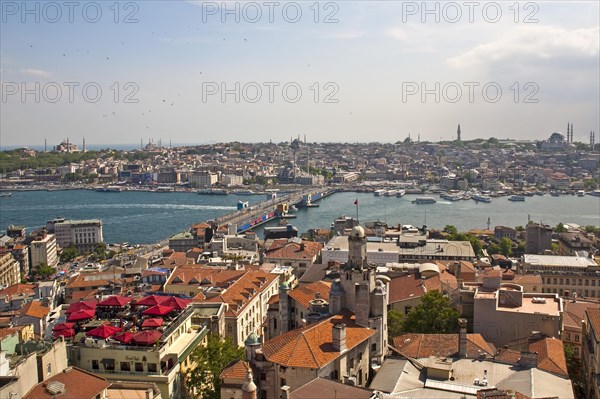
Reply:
x=555 y=260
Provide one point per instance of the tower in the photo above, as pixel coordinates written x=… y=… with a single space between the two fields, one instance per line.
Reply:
x=357 y=249
x=284 y=311
x=571 y=140
x=83 y=149
x=249 y=387
x=45 y=145
x=592 y=140
x=568 y=132
x=458 y=133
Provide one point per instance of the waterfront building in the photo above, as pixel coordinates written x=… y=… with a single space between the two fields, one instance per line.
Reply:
x=9 y=270
x=203 y=179
x=229 y=180
x=182 y=242
x=564 y=275
x=85 y=235
x=574 y=242
x=591 y=353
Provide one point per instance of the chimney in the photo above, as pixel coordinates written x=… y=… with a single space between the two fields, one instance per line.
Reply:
x=462 y=338
x=339 y=337
x=529 y=359
x=285 y=392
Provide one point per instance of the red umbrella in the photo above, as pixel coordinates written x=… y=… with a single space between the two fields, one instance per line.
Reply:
x=104 y=331
x=147 y=337
x=82 y=315
x=176 y=303
x=67 y=333
x=63 y=326
x=151 y=300
x=74 y=307
x=115 y=300
x=152 y=323
x=158 y=310
x=124 y=337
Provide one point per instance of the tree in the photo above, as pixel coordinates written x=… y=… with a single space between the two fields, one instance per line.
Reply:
x=210 y=361
x=575 y=371
x=43 y=271
x=450 y=229
x=395 y=320
x=560 y=228
x=69 y=253
x=506 y=246
x=476 y=244
x=433 y=315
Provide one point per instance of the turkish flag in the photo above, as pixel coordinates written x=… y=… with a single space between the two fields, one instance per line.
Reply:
x=356 y=202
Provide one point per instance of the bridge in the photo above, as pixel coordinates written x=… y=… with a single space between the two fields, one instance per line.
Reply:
x=248 y=218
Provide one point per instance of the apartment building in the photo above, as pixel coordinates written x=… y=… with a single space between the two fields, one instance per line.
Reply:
x=42 y=249
x=565 y=275
x=297 y=253
x=9 y=270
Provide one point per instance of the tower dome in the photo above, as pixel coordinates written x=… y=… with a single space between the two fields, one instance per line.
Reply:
x=358 y=231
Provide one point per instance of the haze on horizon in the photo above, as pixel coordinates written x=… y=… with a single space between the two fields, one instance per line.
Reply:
x=361 y=67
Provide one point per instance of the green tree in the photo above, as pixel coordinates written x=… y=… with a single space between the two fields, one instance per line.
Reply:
x=69 y=253
x=395 y=320
x=506 y=246
x=452 y=230
x=210 y=361
x=575 y=371
x=560 y=228
x=433 y=315
x=43 y=271
x=476 y=244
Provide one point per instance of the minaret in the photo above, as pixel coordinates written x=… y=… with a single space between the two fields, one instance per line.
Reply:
x=568 y=132
x=45 y=145
x=592 y=140
x=571 y=141
x=83 y=149
x=249 y=387
x=458 y=133
x=141 y=144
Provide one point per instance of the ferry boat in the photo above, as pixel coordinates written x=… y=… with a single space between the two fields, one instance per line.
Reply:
x=424 y=200
x=595 y=193
x=244 y=192
x=400 y=193
x=555 y=193
x=164 y=189
x=390 y=193
x=482 y=198
x=212 y=191
x=379 y=193
x=516 y=198
x=451 y=196
x=5 y=195
x=109 y=189
x=581 y=193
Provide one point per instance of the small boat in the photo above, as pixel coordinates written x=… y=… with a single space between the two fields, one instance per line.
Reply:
x=424 y=200
x=581 y=193
x=164 y=189
x=5 y=195
x=516 y=198
x=595 y=193
x=555 y=193
x=400 y=193
x=379 y=193
x=390 y=193
x=451 y=196
x=482 y=198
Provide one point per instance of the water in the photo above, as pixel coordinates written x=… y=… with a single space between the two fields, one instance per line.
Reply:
x=147 y=217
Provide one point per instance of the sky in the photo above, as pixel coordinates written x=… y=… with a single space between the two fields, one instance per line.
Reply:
x=339 y=71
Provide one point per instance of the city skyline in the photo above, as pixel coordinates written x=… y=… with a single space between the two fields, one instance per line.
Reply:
x=366 y=71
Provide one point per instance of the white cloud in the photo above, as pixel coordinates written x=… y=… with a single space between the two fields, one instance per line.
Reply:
x=349 y=34
x=38 y=73
x=397 y=34
x=537 y=42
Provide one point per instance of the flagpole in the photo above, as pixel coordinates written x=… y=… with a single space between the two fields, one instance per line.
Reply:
x=356 y=202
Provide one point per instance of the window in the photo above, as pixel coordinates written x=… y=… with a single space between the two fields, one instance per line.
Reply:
x=407 y=309
x=139 y=367
x=576 y=337
x=374 y=347
x=95 y=365
x=109 y=364
x=125 y=366
x=49 y=368
x=152 y=367
x=282 y=382
x=568 y=336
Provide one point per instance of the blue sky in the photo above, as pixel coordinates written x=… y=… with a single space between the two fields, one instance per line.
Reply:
x=361 y=76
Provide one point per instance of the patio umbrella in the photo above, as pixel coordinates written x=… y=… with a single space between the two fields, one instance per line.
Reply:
x=74 y=307
x=158 y=310
x=115 y=301
x=104 y=331
x=152 y=323
x=124 y=337
x=63 y=326
x=67 y=333
x=176 y=303
x=151 y=300
x=82 y=315
x=147 y=337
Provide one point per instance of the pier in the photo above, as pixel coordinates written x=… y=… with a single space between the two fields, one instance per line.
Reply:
x=248 y=218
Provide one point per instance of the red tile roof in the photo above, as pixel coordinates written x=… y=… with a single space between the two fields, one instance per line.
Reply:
x=307 y=292
x=79 y=384
x=17 y=289
x=34 y=309
x=443 y=345
x=243 y=291
x=236 y=370
x=311 y=346
x=284 y=249
x=203 y=276
x=551 y=355
x=593 y=316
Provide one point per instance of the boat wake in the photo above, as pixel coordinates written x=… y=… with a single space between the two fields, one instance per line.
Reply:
x=127 y=206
